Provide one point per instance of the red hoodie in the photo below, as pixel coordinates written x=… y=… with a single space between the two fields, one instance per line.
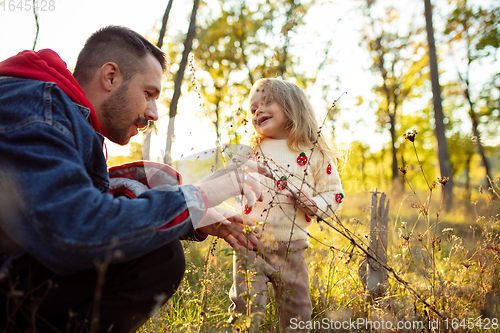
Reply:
x=46 y=65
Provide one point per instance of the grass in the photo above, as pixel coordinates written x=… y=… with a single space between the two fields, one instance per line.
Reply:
x=444 y=274
x=452 y=263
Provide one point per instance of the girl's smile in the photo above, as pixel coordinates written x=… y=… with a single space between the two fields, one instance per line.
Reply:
x=268 y=118
x=262 y=120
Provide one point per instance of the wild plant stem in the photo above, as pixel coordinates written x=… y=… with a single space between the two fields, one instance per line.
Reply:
x=37 y=26
x=421 y=168
x=205 y=282
x=328 y=281
x=430 y=236
x=492 y=187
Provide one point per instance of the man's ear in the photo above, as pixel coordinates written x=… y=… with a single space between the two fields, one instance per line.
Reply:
x=111 y=76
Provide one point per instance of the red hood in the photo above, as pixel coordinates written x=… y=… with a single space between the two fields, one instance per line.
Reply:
x=46 y=65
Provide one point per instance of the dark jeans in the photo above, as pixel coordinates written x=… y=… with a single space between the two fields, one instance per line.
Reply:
x=68 y=303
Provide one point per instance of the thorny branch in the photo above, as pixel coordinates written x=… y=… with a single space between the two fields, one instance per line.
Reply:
x=354 y=240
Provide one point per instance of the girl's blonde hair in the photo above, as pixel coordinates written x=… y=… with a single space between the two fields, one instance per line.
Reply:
x=301 y=119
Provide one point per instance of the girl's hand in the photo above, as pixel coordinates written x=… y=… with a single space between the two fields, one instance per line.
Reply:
x=304 y=202
x=232 y=181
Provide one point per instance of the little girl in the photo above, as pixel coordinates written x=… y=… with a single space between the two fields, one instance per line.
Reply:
x=305 y=183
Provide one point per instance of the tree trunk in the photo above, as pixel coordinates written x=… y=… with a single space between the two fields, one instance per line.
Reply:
x=395 y=174
x=391 y=115
x=164 y=24
x=443 y=156
x=467 y=194
x=146 y=137
x=477 y=135
x=472 y=114
x=188 y=44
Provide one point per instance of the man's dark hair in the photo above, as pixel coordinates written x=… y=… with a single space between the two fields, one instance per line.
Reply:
x=117 y=44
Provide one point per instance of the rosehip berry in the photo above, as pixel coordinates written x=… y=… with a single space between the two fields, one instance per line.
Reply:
x=329 y=169
x=247 y=210
x=339 y=197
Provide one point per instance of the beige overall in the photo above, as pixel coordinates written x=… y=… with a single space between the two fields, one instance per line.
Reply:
x=287 y=271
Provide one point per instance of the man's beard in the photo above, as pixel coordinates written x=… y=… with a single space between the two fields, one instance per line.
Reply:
x=116 y=111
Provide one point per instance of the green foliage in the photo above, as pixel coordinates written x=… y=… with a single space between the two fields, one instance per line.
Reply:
x=365 y=170
x=476 y=25
x=233 y=49
x=465 y=26
x=475 y=29
x=489 y=106
x=399 y=59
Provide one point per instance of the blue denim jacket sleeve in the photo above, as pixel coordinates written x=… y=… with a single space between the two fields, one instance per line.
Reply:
x=67 y=219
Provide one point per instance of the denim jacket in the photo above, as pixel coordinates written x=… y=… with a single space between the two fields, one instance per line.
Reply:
x=64 y=215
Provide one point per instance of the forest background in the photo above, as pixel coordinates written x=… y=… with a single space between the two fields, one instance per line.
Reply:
x=373 y=51
x=371 y=59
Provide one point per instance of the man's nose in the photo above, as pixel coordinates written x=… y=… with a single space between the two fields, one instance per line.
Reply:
x=152 y=112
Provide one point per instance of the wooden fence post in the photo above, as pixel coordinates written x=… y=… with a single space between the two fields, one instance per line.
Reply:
x=375 y=279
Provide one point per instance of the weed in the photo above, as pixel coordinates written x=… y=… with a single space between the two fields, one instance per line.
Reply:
x=443 y=271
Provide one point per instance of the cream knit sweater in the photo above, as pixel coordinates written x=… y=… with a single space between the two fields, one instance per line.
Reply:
x=277 y=211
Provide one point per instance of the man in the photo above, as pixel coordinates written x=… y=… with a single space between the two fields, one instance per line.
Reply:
x=62 y=222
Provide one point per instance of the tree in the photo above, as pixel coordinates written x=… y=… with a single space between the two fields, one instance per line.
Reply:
x=146 y=138
x=489 y=98
x=476 y=29
x=229 y=57
x=222 y=53
x=188 y=43
x=395 y=57
x=164 y=21
x=461 y=160
x=443 y=156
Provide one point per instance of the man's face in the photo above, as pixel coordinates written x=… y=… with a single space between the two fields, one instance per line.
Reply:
x=133 y=104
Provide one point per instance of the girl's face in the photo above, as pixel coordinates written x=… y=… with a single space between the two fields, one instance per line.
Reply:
x=268 y=117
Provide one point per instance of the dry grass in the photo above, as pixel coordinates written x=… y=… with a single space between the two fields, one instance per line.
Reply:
x=444 y=272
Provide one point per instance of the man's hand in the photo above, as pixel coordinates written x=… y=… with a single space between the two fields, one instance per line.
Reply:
x=232 y=181
x=230 y=227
